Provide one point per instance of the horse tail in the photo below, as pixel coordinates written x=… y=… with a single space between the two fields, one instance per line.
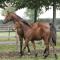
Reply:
x=53 y=33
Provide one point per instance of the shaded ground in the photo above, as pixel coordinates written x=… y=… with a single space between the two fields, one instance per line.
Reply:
x=17 y=54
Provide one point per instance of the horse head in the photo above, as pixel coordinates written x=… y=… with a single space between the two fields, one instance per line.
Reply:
x=8 y=17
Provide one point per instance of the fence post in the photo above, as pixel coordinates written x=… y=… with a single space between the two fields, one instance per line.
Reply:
x=17 y=38
x=9 y=33
x=17 y=41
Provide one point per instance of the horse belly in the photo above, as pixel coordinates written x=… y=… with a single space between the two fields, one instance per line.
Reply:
x=37 y=38
x=37 y=35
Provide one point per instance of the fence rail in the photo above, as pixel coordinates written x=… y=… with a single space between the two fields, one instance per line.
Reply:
x=7 y=36
x=9 y=29
x=6 y=28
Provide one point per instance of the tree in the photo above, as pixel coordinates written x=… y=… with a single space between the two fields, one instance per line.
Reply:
x=2 y=3
x=31 y=4
x=8 y=9
x=30 y=13
x=34 y=4
x=54 y=11
x=6 y=3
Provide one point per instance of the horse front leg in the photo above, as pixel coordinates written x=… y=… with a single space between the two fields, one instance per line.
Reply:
x=34 y=48
x=28 y=49
x=26 y=45
x=21 y=43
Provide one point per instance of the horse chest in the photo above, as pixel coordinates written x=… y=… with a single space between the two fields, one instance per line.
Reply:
x=20 y=32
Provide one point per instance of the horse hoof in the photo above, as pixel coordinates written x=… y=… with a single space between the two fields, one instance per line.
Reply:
x=36 y=55
x=45 y=55
x=21 y=54
x=56 y=56
x=29 y=53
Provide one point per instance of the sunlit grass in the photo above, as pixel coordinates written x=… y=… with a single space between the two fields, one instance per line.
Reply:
x=7 y=39
x=7 y=48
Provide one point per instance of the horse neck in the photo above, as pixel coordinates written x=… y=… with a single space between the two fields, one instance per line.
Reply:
x=25 y=27
x=15 y=19
x=20 y=22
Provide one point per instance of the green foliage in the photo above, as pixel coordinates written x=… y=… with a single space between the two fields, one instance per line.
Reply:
x=1 y=1
x=9 y=8
x=32 y=4
x=28 y=3
x=30 y=13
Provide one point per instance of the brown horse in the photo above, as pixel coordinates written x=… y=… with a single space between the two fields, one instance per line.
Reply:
x=18 y=28
x=36 y=31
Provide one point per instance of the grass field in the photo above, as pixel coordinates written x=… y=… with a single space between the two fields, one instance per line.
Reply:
x=12 y=48
x=5 y=36
x=7 y=33
x=29 y=58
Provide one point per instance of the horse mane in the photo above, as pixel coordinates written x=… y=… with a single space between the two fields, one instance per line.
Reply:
x=22 y=20
x=25 y=22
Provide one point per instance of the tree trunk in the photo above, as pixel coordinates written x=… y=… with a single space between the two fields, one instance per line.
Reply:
x=35 y=15
x=54 y=11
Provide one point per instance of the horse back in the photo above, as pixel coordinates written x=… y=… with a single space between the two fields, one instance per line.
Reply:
x=40 y=25
x=40 y=28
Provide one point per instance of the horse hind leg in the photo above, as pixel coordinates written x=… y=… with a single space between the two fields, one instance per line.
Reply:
x=46 y=51
x=21 y=43
x=28 y=49
x=34 y=48
x=54 y=49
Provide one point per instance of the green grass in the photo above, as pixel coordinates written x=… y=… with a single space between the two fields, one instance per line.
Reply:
x=30 y=58
x=7 y=48
x=7 y=39
x=7 y=33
